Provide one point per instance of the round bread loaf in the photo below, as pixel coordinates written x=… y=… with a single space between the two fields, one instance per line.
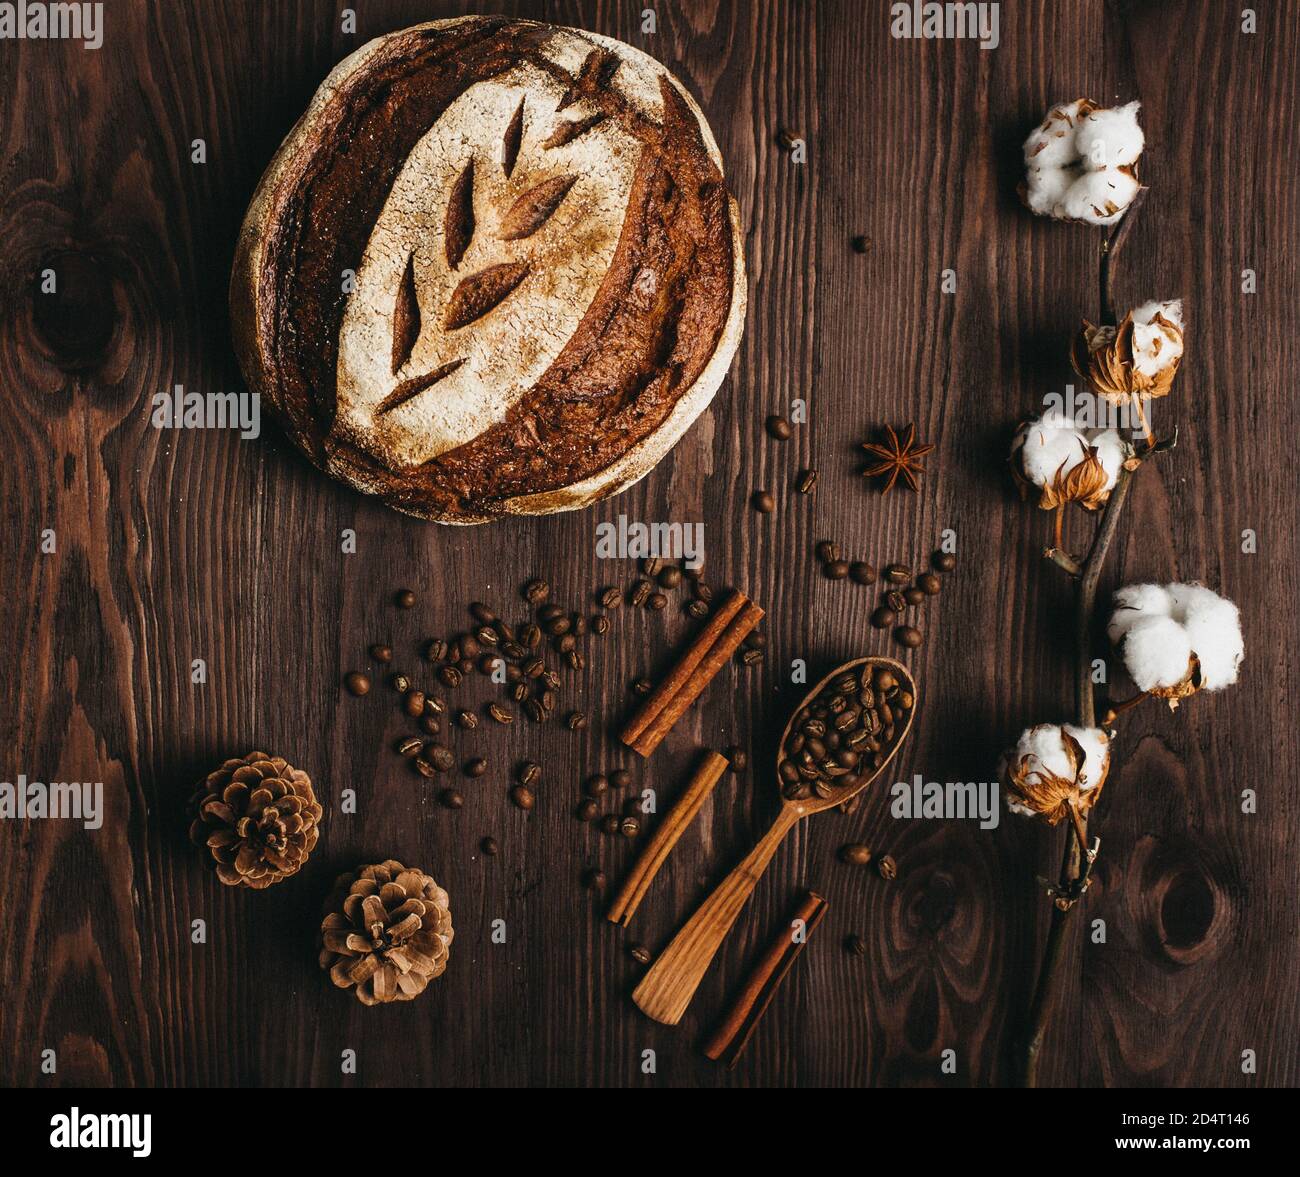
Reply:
x=493 y=270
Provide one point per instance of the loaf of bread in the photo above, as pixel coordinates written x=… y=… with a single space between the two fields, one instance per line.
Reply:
x=493 y=270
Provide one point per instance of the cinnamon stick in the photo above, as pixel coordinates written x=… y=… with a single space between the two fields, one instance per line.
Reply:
x=704 y=657
x=732 y=1035
x=683 y=812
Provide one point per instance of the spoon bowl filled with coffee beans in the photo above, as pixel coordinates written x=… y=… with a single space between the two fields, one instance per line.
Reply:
x=839 y=739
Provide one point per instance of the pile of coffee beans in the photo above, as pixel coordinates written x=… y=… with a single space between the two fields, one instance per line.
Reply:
x=898 y=594
x=846 y=733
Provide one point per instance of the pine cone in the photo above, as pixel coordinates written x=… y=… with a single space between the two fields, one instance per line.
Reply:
x=386 y=930
x=259 y=819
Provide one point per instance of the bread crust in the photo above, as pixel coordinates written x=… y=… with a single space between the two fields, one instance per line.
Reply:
x=646 y=417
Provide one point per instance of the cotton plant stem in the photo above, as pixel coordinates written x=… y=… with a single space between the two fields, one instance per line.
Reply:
x=1073 y=862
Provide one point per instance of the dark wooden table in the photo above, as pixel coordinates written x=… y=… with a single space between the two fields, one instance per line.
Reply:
x=173 y=547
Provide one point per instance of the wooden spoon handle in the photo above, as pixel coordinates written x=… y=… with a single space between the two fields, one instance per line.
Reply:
x=666 y=990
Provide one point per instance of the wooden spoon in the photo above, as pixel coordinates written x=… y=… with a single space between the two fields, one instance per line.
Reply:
x=666 y=990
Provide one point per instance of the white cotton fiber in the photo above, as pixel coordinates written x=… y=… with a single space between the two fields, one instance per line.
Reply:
x=1155 y=345
x=1110 y=138
x=1159 y=628
x=1099 y=197
x=1156 y=652
x=1096 y=750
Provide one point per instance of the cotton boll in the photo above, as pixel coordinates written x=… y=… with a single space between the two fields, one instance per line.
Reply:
x=1133 y=604
x=1046 y=750
x=1110 y=138
x=1156 y=652
x=1099 y=197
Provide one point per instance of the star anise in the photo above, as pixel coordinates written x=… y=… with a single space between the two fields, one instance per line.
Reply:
x=898 y=459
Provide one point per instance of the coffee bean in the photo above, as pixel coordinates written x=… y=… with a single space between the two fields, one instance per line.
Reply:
x=579 y=624
x=806 y=481
x=564 y=643
x=896 y=601
x=413 y=703
x=441 y=757
x=610 y=598
x=884 y=681
x=399 y=682
x=913 y=595
x=465 y=665
x=827 y=551
x=696 y=608
x=609 y=824
x=534 y=668
x=862 y=573
x=484 y=634
x=657 y=602
x=519 y=692
x=381 y=653
x=587 y=810
x=530 y=637
x=357 y=683
x=620 y=778
x=596 y=785
x=594 y=880
x=763 y=502
x=639 y=593
x=489 y=847
x=855 y=945
x=861 y=244
x=552 y=680
x=944 y=561
x=904 y=700
x=835 y=569
x=405 y=599
x=751 y=657
x=481 y=613
x=756 y=639
x=778 y=427
x=908 y=635
x=430 y=723
x=929 y=583
x=450 y=676
x=575 y=660
x=433 y=705
x=897 y=573
x=453 y=651
x=642 y=686
x=522 y=796
x=640 y=953
x=887 y=867
x=451 y=798
x=670 y=577
x=410 y=746
x=737 y=759
x=435 y=649
x=651 y=565
x=629 y=827
x=528 y=773
x=703 y=591
x=425 y=767
x=600 y=625
x=576 y=720
x=558 y=627
x=855 y=854
x=549 y=612
x=536 y=591
x=883 y=617
x=476 y=767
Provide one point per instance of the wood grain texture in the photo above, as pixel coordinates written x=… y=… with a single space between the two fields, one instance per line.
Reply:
x=177 y=546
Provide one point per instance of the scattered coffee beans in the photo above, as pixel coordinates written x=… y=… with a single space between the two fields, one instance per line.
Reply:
x=944 y=561
x=489 y=847
x=862 y=573
x=620 y=778
x=594 y=880
x=806 y=481
x=855 y=945
x=405 y=599
x=522 y=796
x=908 y=635
x=855 y=854
x=596 y=785
x=737 y=759
x=887 y=868
x=778 y=427
x=640 y=953
x=827 y=551
x=835 y=569
x=763 y=502
x=929 y=583
x=883 y=617
x=381 y=653
x=357 y=683
x=451 y=798
x=898 y=573
x=536 y=591
x=587 y=810
x=476 y=766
